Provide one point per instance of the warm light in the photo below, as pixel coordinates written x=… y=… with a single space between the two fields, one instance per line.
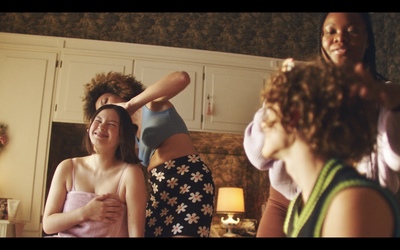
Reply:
x=230 y=201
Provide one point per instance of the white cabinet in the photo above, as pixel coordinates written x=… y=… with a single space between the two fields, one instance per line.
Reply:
x=225 y=101
x=229 y=83
x=75 y=71
x=26 y=87
x=231 y=97
x=189 y=102
x=35 y=92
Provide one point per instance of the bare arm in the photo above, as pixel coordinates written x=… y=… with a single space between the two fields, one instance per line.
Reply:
x=273 y=218
x=135 y=195
x=358 y=212
x=387 y=95
x=55 y=220
x=160 y=92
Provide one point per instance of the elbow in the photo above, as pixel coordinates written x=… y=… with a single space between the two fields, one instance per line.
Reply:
x=184 y=78
x=46 y=229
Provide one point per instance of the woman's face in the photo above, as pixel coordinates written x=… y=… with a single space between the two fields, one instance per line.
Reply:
x=344 y=38
x=108 y=98
x=104 y=129
x=278 y=138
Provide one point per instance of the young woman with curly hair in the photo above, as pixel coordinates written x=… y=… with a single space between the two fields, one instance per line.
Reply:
x=182 y=190
x=319 y=126
x=343 y=38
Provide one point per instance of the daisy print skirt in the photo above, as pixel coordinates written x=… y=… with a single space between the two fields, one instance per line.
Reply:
x=181 y=200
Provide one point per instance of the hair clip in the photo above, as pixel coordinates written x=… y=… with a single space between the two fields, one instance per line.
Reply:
x=287 y=65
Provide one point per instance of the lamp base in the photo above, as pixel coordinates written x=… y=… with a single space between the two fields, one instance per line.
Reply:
x=229 y=235
x=229 y=224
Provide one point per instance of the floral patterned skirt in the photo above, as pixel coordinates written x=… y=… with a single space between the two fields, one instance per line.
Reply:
x=181 y=199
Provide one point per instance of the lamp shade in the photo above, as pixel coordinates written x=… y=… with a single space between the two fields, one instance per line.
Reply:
x=230 y=200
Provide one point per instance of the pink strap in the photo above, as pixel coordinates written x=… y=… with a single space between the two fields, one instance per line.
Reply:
x=120 y=178
x=73 y=174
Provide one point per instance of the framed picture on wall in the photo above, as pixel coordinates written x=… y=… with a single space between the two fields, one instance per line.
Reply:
x=3 y=209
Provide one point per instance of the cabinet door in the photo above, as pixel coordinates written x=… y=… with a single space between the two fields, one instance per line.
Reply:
x=189 y=102
x=26 y=87
x=231 y=97
x=75 y=71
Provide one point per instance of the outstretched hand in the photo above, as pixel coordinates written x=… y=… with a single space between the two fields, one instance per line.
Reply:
x=105 y=208
x=386 y=94
x=130 y=108
x=123 y=104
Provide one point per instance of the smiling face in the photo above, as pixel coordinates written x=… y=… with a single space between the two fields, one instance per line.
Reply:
x=344 y=38
x=104 y=129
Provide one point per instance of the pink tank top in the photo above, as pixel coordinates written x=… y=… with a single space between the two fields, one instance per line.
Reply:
x=77 y=199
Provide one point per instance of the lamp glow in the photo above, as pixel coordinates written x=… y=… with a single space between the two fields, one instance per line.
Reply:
x=230 y=201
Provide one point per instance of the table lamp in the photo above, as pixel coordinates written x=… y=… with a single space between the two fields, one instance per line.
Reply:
x=230 y=201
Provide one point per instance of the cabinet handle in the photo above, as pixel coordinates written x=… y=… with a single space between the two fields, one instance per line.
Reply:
x=209 y=107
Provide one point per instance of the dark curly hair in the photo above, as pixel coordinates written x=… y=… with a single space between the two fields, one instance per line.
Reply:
x=315 y=98
x=124 y=86
x=369 y=59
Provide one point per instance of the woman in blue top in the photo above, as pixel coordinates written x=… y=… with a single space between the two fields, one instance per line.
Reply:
x=181 y=198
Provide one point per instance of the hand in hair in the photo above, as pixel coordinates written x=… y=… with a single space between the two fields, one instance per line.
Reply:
x=372 y=89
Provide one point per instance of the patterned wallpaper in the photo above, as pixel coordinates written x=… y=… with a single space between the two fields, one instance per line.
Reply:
x=267 y=34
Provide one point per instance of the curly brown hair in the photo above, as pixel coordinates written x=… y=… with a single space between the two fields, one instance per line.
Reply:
x=316 y=99
x=125 y=86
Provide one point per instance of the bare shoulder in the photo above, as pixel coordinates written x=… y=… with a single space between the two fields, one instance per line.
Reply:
x=135 y=169
x=134 y=178
x=65 y=166
x=68 y=164
x=359 y=212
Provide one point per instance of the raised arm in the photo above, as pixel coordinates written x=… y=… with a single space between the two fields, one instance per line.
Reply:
x=388 y=96
x=161 y=91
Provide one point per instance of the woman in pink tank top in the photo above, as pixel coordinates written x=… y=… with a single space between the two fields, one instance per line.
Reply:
x=102 y=194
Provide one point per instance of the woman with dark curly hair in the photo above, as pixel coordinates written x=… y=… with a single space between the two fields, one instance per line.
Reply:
x=181 y=198
x=319 y=126
x=343 y=38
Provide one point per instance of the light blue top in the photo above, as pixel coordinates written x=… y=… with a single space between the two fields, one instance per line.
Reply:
x=156 y=128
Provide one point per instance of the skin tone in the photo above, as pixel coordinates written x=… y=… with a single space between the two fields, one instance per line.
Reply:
x=98 y=173
x=344 y=41
x=350 y=213
x=344 y=38
x=156 y=97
